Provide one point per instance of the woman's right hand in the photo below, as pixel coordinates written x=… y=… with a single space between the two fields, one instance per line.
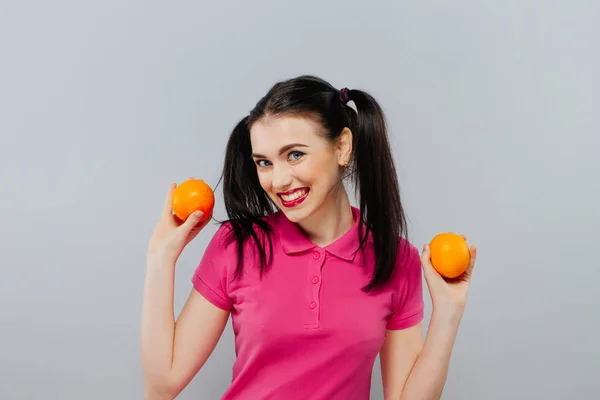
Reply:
x=171 y=235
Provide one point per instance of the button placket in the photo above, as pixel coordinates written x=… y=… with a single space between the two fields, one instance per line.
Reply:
x=314 y=282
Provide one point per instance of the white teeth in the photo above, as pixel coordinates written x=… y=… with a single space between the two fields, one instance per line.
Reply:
x=296 y=195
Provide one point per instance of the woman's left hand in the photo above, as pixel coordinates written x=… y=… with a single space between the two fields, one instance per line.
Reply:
x=449 y=295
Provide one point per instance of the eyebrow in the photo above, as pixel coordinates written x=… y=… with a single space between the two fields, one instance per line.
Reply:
x=282 y=150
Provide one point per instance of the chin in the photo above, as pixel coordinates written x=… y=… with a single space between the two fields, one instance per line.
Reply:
x=296 y=214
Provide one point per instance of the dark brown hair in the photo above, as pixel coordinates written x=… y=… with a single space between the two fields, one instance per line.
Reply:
x=371 y=169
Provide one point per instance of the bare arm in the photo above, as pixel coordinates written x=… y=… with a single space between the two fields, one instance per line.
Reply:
x=174 y=351
x=428 y=376
x=412 y=369
x=397 y=357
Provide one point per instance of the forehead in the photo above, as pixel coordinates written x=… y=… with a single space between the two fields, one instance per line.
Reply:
x=271 y=133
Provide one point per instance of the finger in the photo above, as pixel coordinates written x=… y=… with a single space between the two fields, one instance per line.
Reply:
x=192 y=221
x=428 y=268
x=473 y=259
x=206 y=221
x=167 y=208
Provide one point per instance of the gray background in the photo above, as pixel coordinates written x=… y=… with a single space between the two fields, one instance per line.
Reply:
x=494 y=116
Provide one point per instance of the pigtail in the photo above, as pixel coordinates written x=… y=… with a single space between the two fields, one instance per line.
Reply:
x=374 y=178
x=245 y=201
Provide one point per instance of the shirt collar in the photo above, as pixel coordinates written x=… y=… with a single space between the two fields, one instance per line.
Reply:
x=294 y=241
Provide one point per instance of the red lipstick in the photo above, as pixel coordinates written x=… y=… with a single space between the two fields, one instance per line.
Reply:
x=294 y=202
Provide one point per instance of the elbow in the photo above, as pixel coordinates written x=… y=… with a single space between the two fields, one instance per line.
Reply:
x=394 y=396
x=159 y=388
x=154 y=392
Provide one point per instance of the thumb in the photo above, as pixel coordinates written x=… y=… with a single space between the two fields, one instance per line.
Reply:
x=428 y=269
x=192 y=221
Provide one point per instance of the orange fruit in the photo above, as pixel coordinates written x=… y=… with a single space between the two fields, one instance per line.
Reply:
x=449 y=254
x=193 y=195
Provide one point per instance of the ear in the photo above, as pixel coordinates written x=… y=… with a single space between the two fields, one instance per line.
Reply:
x=344 y=147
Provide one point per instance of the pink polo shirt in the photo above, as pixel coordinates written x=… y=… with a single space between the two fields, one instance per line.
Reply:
x=307 y=330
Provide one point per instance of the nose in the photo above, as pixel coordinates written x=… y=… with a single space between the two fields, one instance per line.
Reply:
x=281 y=178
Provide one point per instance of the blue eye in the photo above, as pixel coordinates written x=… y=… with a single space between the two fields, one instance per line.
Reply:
x=296 y=155
x=262 y=163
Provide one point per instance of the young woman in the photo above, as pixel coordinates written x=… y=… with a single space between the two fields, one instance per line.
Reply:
x=316 y=288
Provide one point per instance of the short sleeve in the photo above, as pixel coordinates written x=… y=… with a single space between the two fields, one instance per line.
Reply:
x=409 y=305
x=210 y=277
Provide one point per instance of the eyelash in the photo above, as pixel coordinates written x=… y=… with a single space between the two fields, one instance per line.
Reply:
x=298 y=152
x=300 y=155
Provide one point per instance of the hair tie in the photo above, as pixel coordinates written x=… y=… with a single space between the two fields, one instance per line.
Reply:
x=344 y=95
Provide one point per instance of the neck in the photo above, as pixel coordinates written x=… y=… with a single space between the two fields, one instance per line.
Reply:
x=330 y=222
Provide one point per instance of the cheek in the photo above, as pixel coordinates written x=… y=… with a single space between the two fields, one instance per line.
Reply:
x=318 y=173
x=265 y=180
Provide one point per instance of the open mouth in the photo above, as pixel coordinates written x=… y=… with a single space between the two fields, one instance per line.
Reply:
x=294 y=197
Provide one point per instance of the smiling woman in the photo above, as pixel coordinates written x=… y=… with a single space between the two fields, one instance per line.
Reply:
x=315 y=287
x=298 y=168
x=302 y=135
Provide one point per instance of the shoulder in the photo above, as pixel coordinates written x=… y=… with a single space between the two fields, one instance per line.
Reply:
x=407 y=287
x=407 y=267
x=221 y=238
x=226 y=236
x=408 y=253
